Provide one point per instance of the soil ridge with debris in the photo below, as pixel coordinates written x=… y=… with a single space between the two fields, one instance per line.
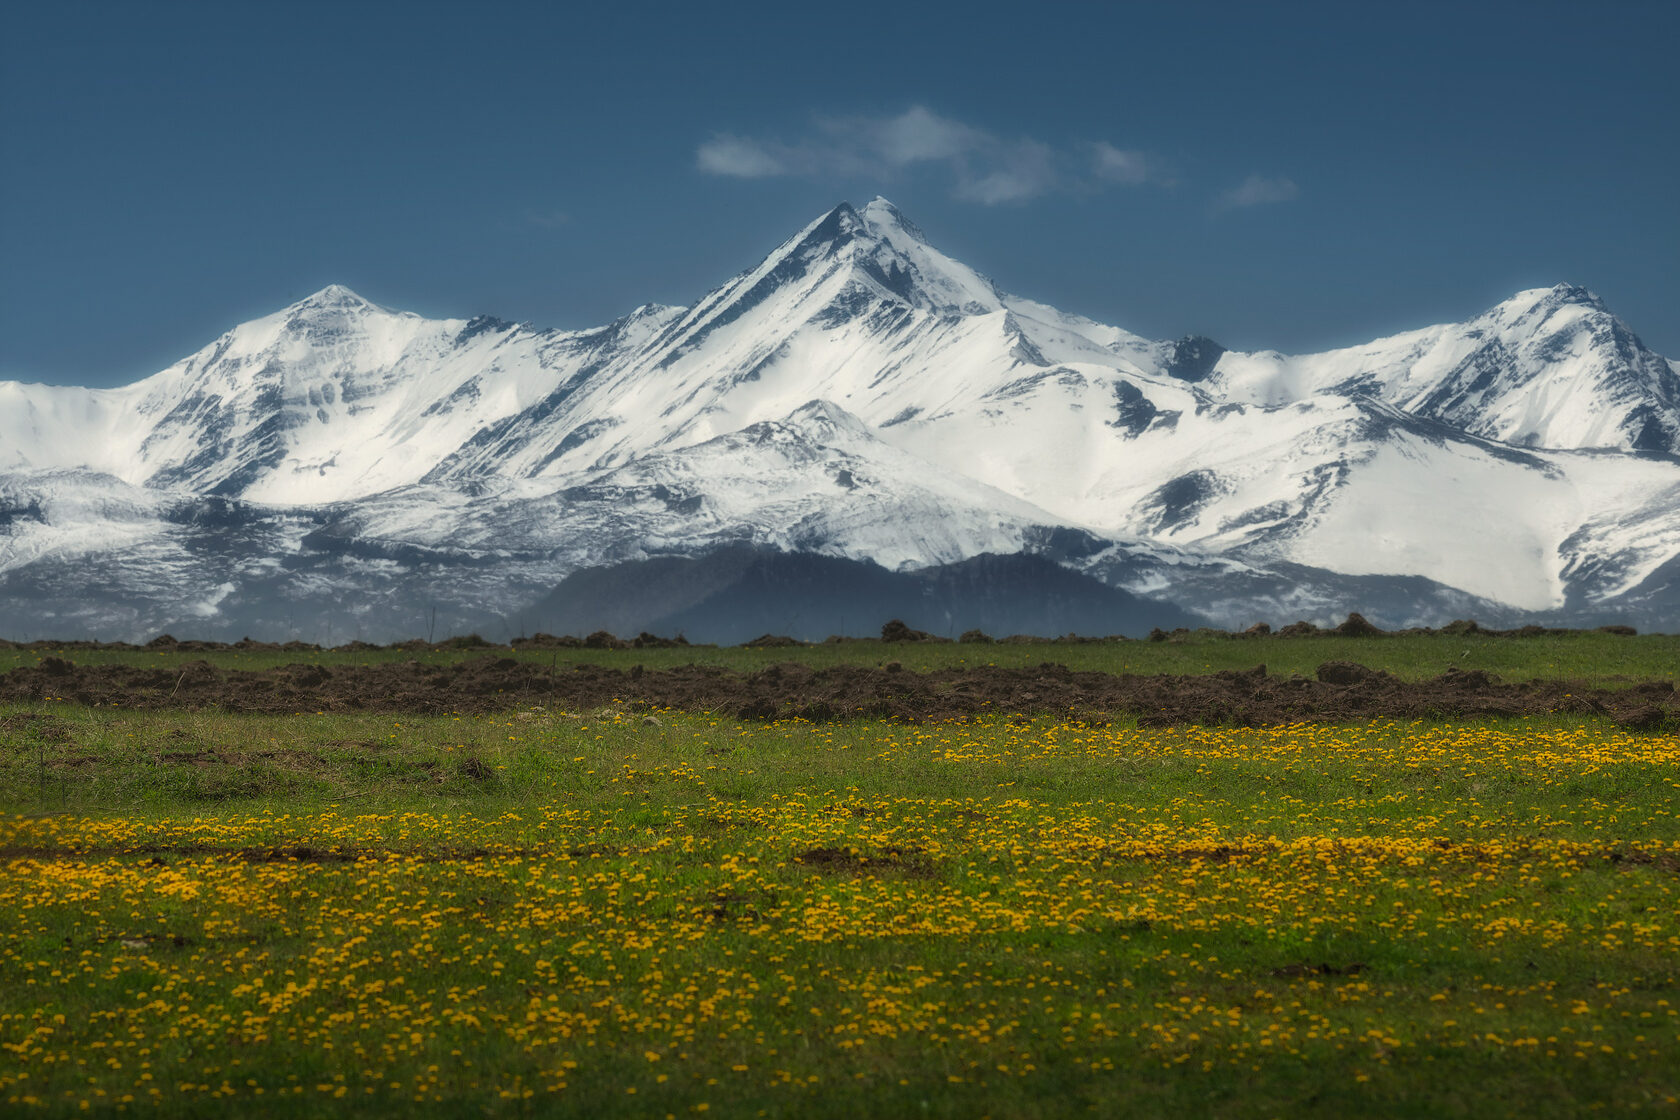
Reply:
x=1339 y=691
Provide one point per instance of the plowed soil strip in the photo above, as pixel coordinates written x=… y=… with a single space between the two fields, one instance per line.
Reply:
x=1342 y=691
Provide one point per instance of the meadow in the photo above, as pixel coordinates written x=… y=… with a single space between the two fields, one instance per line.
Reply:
x=1589 y=656
x=652 y=913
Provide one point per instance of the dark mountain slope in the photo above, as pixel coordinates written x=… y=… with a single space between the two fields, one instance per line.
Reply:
x=734 y=595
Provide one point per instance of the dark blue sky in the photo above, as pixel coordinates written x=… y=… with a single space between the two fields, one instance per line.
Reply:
x=1294 y=176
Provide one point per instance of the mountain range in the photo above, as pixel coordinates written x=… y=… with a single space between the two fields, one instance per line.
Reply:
x=339 y=469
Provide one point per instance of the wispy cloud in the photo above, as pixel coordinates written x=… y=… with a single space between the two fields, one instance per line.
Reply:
x=1014 y=172
x=1257 y=190
x=548 y=219
x=914 y=136
x=1127 y=167
x=741 y=158
x=984 y=167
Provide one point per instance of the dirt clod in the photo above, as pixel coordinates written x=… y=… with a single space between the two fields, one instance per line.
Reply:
x=1346 y=672
x=772 y=641
x=1293 y=971
x=476 y=769
x=897 y=631
x=1357 y=626
x=1646 y=717
x=850 y=861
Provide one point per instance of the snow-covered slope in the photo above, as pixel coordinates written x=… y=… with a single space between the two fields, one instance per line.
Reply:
x=814 y=480
x=1549 y=367
x=861 y=394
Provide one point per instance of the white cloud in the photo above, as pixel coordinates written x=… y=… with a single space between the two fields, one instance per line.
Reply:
x=1257 y=190
x=914 y=136
x=739 y=157
x=1127 y=167
x=1025 y=169
x=984 y=167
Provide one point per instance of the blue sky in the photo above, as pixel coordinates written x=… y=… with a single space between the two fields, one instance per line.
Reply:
x=1294 y=176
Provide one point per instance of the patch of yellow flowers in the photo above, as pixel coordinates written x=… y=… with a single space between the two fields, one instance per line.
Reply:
x=685 y=951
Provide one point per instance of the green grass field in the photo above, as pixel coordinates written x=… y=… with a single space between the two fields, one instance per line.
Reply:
x=622 y=913
x=1588 y=656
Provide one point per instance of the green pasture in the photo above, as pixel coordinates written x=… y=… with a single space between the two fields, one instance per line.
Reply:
x=623 y=912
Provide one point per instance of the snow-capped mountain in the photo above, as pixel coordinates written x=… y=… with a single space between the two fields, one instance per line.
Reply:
x=1550 y=367
x=858 y=394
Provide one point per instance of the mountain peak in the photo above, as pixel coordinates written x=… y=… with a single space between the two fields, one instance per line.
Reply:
x=335 y=296
x=912 y=268
x=1550 y=299
x=879 y=220
x=839 y=223
x=830 y=415
x=333 y=303
x=884 y=219
x=1573 y=293
x=333 y=308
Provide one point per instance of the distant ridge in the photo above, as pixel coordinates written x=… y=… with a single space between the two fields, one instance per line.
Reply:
x=737 y=594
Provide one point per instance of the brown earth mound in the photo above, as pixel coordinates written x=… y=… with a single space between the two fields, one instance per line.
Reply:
x=895 y=630
x=1342 y=691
